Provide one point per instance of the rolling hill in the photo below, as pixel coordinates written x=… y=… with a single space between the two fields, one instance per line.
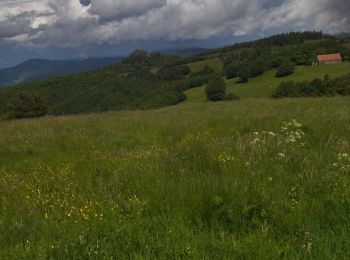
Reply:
x=40 y=69
x=154 y=80
x=265 y=85
x=199 y=180
x=257 y=178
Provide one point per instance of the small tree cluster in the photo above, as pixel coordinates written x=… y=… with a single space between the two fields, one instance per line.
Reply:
x=314 y=88
x=216 y=90
x=285 y=69
x=27 y=105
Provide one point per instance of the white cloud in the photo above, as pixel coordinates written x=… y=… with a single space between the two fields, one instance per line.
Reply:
x=69 y=23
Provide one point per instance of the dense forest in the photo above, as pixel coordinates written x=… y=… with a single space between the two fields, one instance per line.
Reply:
x=151 y=80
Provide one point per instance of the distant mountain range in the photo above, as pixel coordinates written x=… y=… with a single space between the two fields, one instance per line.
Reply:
x=40 y=69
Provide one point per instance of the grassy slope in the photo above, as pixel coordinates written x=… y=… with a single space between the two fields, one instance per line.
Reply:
x=264 y=86
x=183 y=181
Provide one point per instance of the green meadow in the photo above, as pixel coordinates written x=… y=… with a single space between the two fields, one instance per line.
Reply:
x=252 y=179
x=257 y=178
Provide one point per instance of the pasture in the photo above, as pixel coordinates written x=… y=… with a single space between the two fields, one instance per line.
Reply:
x=252 y=179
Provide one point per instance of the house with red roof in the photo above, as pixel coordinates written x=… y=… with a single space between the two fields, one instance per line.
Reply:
x=329 y=58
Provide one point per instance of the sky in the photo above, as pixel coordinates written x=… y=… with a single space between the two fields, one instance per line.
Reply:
x=66 y=29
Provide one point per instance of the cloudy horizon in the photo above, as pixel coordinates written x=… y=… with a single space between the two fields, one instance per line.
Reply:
x=73 y=28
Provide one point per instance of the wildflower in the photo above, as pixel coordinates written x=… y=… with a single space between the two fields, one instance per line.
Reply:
x=255 y=141
x=272 y=134
x=291 y=139
x=46 y=216
x=296 y=124
x=281 y=155
x=224 y=158
x=270 y=179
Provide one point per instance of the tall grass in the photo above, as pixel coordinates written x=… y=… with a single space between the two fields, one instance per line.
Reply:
x=254 y=179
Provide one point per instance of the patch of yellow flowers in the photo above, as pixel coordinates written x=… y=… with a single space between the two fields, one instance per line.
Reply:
x=54 y=196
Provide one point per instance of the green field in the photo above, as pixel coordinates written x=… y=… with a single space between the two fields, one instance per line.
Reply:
x=265 y=85
x=258 y=178
x=253 y=179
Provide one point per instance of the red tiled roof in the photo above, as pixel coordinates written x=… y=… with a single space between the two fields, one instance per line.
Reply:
x=329 y=57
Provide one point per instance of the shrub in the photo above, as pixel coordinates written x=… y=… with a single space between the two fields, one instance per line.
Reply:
x=216 y=89
x=278 y=61
x=285 y=69
x=27 y=105
x=342 y=85
x=232 y=71
x=244 y=75
x=286 y=89
x=314 y=88
x=192 y=82
x=256 y=70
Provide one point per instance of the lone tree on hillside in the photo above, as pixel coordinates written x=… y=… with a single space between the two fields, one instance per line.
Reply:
x=244 y=75
x=27 y=105
x=216 y=89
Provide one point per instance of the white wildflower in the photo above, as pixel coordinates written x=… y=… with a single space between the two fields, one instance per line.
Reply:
x=255 y=141
x=272 y=134
x=281 y=155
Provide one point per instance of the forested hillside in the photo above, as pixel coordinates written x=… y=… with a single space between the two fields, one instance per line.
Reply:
x=152 y=80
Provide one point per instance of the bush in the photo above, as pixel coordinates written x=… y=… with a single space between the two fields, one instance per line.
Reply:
x=314 y=88
x=27 y=105
x=216 y=89
x=277 y=62
x=342 y=86
x=285 y=69
x=192 y=82
x=244 y=75
x=256 y=70
x=232 y=71
x=286 y=89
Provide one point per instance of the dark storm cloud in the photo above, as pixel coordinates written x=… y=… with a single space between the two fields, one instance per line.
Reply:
x=73 y=23
x=85 y=2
